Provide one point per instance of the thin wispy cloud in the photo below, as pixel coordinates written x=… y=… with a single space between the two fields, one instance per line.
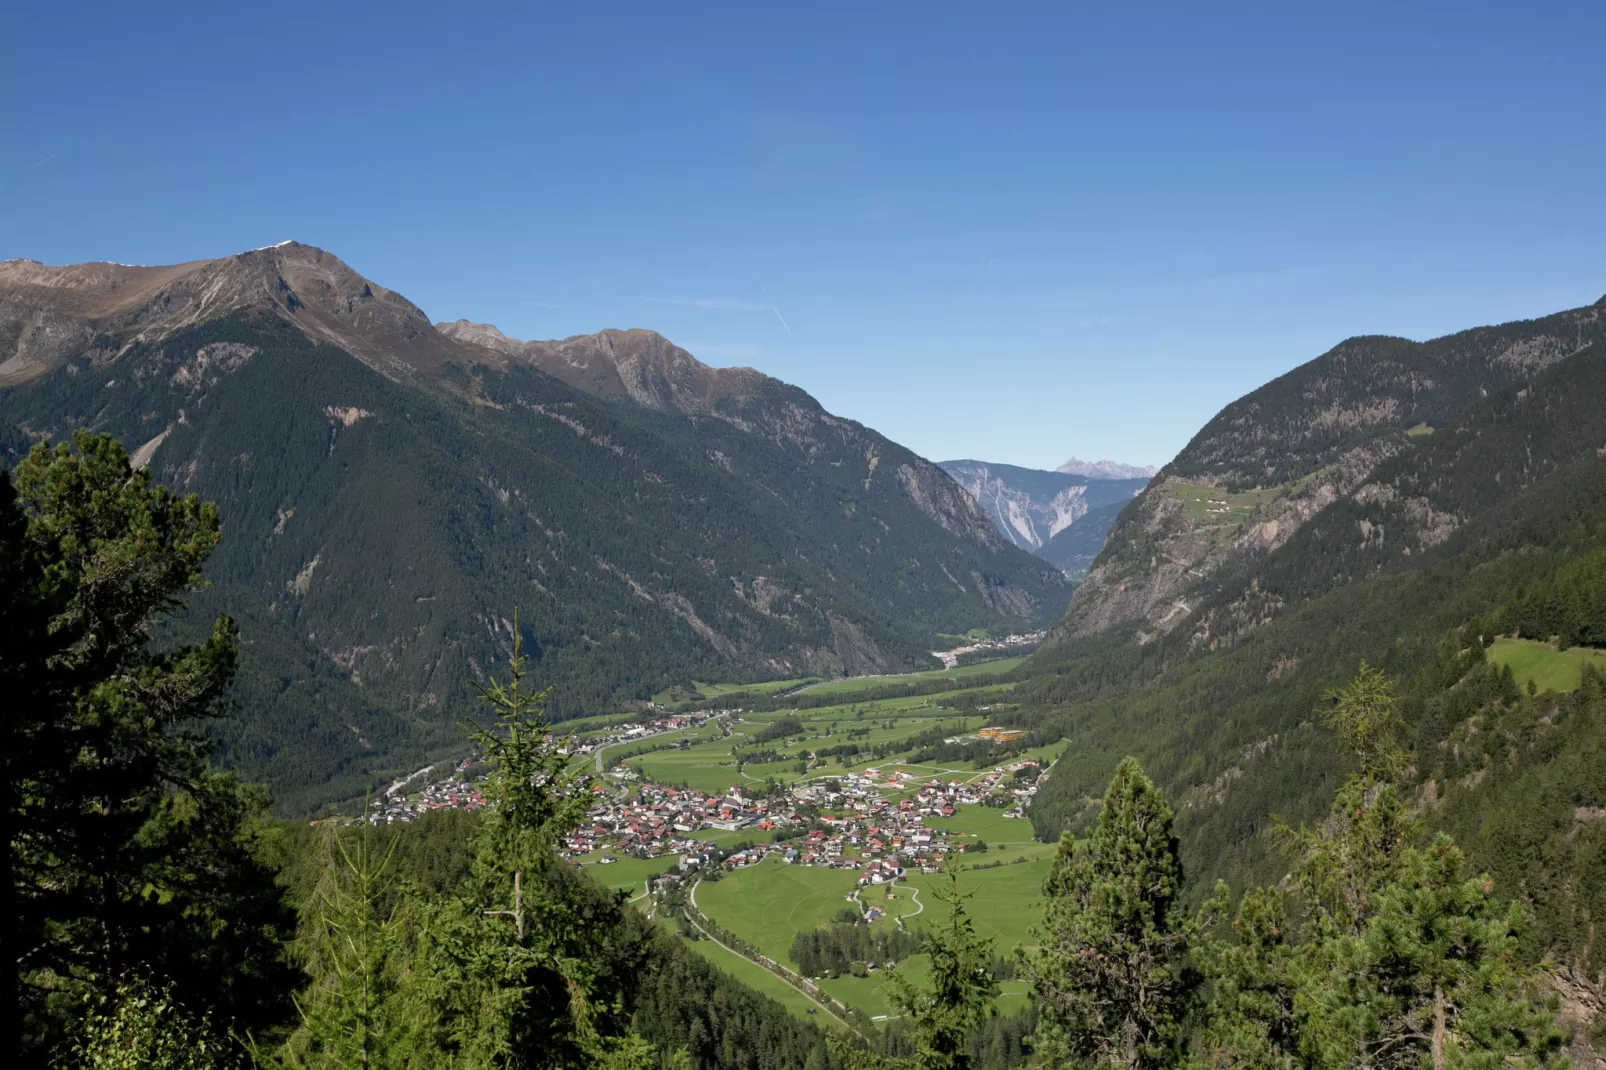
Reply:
x=47 y=159
x=716 y=304
x=724 y=304
x=777 y=312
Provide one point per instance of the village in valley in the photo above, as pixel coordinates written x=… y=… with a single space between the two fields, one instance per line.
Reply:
x=793 y=805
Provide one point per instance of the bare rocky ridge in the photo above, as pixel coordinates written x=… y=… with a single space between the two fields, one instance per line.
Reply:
x=637 y=365
x=48 y=314
x=1273 y=460
x=645 y=368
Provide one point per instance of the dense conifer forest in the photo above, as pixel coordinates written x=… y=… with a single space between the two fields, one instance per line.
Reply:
x=159 y=918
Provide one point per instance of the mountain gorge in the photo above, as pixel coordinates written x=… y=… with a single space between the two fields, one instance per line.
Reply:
x=1058 y=516
x=391 y=493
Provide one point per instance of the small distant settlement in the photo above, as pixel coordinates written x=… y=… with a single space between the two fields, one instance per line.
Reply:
x=880 y=821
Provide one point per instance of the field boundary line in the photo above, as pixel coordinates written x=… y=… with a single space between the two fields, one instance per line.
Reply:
x=774 y=968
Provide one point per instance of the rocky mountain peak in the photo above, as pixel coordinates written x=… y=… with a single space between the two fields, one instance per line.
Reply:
x=637 y=365
x=1106 y=469
x=48 y=313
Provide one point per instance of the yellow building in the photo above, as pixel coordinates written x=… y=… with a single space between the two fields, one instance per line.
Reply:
x=1002 y=735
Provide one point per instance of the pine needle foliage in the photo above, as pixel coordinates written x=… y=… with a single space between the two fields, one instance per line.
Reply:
x=960 y=994
x=1112 y=975
x=1399 y=957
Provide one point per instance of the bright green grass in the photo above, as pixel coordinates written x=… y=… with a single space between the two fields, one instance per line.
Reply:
x=757 y=977
x=1007 y=901
x=862 y=683
x=765 y=687
x=1217 y=506
x=1548 y=668
x=628 y=873
x=767 y=904
x=709 y=766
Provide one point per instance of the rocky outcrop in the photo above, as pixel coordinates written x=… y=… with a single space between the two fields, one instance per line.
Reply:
x=50 y=313
x=645 y=368
x=1275 y=459
x=1032 y=507
x=634 y=365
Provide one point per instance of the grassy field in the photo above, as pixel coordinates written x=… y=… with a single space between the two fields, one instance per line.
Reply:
x=627 y=874
x=1546 y=667
x=1216 y=505
x=709 y=766
x=863 y=683
x=757 y=977
x=767 y=904
x=765 y=687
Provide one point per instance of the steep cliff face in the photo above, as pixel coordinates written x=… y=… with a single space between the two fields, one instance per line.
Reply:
x=1284 y=454
x=1031 y=508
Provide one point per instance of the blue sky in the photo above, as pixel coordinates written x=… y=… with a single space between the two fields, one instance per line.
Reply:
x=1014 y=232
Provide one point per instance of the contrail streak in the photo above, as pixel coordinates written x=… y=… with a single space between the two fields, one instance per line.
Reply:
x=777 y=312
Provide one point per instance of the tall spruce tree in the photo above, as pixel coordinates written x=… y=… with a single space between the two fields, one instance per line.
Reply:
x=960 y=993
x=126 y=856
x=1112 y=976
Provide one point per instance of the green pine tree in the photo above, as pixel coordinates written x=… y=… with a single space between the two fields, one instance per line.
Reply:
x=1111 y=976
x=1430 y=980
x=1402 y=959
x=126 y=855
x=961 y=991
x=513 y=964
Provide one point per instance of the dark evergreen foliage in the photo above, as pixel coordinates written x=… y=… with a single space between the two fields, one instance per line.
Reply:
x=370 y=522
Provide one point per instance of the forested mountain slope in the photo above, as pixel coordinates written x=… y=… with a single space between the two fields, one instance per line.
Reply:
x=1413 y=565
x=391 y=495
x=1279 y=456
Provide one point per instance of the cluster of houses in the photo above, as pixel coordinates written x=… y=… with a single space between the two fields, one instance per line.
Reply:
x=635 y=732
x=456 y=792
x=879 y=823
x=855 y=822
x=1001 y=646
x=657 y=820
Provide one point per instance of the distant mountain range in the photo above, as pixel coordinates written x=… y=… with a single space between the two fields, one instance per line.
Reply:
x=392 y=492
x=1060 y=517
x=1106 y=469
